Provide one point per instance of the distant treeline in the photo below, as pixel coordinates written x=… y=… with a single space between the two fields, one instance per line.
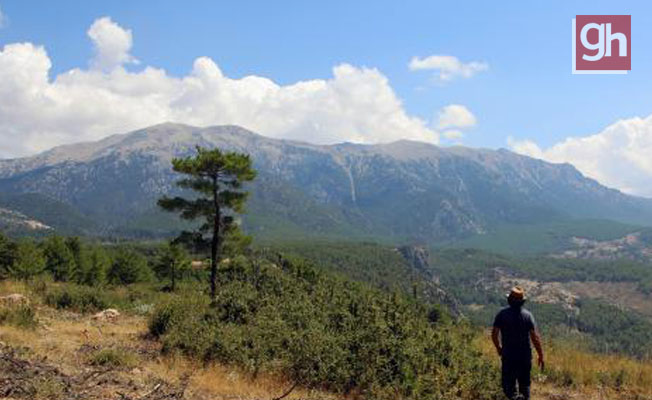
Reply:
x=71 y=259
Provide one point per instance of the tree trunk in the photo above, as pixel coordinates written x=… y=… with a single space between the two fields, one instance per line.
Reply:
x=216 y=241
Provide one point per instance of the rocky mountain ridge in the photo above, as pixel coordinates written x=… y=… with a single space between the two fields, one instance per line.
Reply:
x=404 y=190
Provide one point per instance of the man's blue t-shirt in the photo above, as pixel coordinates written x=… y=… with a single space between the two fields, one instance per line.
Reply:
x=515 y=324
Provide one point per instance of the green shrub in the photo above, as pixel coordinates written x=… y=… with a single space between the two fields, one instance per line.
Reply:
x=324 y=332
x=48 y=388
x=128 y=266
x=93 y=267
x=19 y=316
x=77 y=298
x=59 y=259
x=28 y=262
x=114 y=358
x=8 y=250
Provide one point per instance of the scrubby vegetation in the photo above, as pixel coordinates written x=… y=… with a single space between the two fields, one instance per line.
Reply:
x=20 y=316
x=341 y=317
x=113 y=357
x=325 y=332
x=275 y=314
x=469 y=277
x=76 y=298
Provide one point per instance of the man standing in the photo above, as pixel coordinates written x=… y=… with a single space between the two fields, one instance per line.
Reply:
x=516 y=327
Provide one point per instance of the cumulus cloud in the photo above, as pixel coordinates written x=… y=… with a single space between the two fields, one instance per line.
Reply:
x=452 y=119
x=455 y=115
x=112 y=44
x=39 y=111
x=447 y=67
x=618 y=157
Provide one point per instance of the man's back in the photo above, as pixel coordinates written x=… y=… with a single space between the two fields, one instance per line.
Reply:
x=514 y=327
x=515 y=324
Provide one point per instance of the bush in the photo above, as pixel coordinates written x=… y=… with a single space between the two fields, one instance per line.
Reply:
x=114 y=358
x=324 y=332
x=77 y=298
x=59 y=259
x=93 y=268
x=8 y=250
x=128 y=267
x=29 y=261
x=21 y=317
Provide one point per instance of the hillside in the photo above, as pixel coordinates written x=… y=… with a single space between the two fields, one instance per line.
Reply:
x=274 y=316
x=401 y=191
x=55 y=347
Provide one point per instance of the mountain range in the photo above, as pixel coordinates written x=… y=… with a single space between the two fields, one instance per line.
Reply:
x=403 y=191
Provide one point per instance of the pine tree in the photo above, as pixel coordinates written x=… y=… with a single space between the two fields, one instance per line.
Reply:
x=7 y=254
x=80 y=258
x=217 y=177
x=97 y=263
x=59 y=260
x=29 y=261
x=127 y=267
x=172 y=263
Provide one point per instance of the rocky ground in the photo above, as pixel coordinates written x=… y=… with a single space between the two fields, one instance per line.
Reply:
x=32 y=378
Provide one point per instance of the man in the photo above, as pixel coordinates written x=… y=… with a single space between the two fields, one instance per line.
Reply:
x=516 y=327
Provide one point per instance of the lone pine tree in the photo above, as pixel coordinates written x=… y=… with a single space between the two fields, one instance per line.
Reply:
x=217 y=177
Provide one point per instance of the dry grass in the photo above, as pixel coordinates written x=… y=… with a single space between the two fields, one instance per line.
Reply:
x=222 y=382
x=71 y=341
x=10 y=287
x=575 y=373
x=63 y=336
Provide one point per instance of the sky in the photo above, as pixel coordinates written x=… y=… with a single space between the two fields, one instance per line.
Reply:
x=480 y=74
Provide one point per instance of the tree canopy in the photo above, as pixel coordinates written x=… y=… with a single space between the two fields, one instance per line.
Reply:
x=217 y=178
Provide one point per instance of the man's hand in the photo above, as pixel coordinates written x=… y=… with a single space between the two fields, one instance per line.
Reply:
x=495 y=332
x=536 y=340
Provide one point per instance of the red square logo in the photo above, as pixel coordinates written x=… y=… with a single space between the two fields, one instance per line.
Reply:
x=602 y=44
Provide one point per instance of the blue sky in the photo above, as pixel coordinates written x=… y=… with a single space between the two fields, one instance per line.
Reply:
x=527 y=92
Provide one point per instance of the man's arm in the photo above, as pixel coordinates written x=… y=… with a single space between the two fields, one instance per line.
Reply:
x=494 y=337
x=536 y=340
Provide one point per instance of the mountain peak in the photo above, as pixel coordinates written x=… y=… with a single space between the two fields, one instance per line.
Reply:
x=404 y=189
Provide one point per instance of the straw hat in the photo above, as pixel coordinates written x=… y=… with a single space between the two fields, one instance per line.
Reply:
x=516 y=294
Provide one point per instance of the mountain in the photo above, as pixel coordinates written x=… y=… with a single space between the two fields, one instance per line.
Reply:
x=14 y=222
x=403 y=190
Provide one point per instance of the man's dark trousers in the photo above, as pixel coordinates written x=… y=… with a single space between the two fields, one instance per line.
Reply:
x=516 y=370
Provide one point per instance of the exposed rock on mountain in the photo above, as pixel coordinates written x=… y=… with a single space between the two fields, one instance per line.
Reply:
x=402 y=191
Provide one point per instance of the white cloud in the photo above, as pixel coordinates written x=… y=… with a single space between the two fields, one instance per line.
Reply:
x=447 y=67
x=38 y=111
x=455 y=115
x=452 y=119
x=619 y=156
x=112 y=44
